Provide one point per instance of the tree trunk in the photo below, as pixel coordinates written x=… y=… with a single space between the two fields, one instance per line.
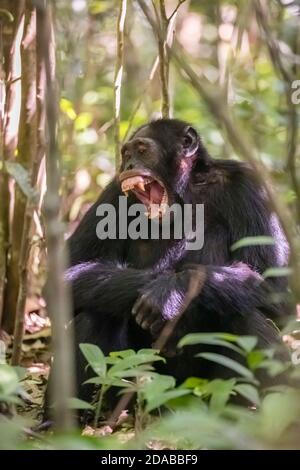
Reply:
x=26 y=155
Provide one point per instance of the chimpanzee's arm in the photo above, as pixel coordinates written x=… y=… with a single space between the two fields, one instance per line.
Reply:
x=231 y=299
x=105 y=288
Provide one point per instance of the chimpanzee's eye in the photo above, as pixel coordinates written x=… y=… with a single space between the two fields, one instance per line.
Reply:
x=187 y=140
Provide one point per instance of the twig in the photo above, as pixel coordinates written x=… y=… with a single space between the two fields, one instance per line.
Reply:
x=174 y=12
x=169 y=40
x=118 y=77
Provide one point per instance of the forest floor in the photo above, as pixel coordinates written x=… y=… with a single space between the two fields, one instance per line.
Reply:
x=36 y=357
x=36 y=360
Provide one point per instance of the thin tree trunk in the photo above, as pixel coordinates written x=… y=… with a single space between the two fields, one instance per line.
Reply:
x=9 y=131
x=58 y=295
x=38 y=149
x=26 y=155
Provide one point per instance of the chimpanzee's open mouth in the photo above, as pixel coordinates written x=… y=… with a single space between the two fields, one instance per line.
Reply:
x=148 y=189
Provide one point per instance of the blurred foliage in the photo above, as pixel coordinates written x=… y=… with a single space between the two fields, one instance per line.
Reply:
x=203 y=413
x=223 y=42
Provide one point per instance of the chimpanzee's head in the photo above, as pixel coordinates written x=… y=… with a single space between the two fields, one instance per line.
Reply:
x=157 y=161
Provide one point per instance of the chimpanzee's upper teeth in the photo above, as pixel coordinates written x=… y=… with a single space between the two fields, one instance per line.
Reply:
x=141 y=186
x=164 y=198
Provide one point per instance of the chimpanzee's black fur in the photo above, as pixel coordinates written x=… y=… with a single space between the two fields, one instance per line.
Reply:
x=109 y=276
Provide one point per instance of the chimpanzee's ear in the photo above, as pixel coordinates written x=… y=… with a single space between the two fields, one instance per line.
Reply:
x=190 y=141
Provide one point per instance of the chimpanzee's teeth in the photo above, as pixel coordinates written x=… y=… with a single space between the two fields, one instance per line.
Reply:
x=141 y=186
x=164 y=198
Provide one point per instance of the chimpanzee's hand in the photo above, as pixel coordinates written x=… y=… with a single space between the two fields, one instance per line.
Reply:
x=148 y=313
x=164 y=298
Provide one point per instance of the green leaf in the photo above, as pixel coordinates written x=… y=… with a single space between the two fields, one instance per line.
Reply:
x=252 y=241
x=9 y=380
x=220 y=391
x=125 y=353
x=162 y=398
x=278 y=412
x=248 y=343
x=277 y=272
x=99 y=6
x=94 y=357
x=134 y=361
x=82 y=121
x=208 y=338
x=227 y=362
x=21 y=176
x=7 y=14
x=193 y=382
x=77 y=404
x=273 y=366
x=249 y=392
x=114 y=382
x=255 y=358
x=66 y=107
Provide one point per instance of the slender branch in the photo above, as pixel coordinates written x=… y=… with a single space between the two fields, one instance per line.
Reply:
x=174 y=12
x=58 y=295
x=153 y=70
x=118 y=77
x=162 y=26
x=164 y=61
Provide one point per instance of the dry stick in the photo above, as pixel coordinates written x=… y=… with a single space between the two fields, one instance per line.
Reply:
x=287 y=77
x=118 y=77
x=242 y=145
x=58 y=298
x=195 y=285
x=162 y=23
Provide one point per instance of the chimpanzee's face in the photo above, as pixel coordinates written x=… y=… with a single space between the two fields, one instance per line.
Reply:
x=156 y=162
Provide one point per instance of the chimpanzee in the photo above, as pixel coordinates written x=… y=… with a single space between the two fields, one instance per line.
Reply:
x=125 y=290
